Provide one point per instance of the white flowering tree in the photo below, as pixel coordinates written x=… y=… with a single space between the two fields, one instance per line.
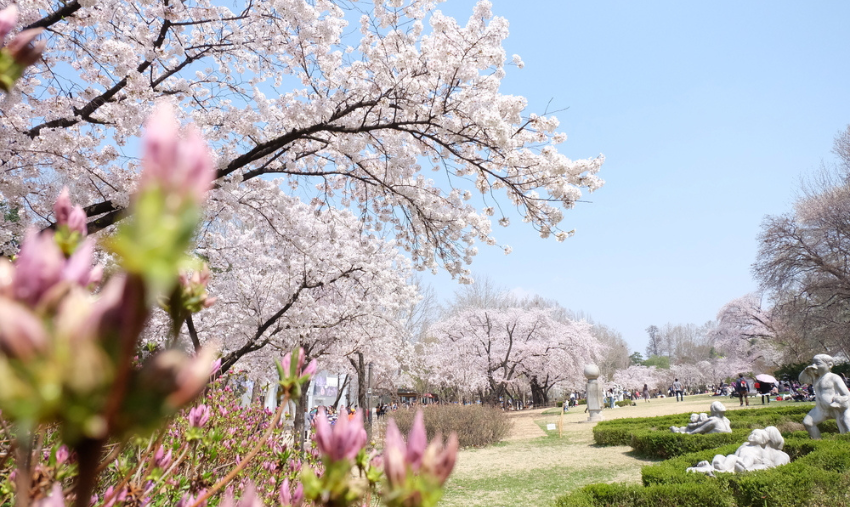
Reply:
x=486 y=351
x=347 y=116
x=636 y=376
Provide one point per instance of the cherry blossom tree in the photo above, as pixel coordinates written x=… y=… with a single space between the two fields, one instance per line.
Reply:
x=286 y=276
x=635 y=376
x=488 y=350
x=748 y=331
x=347 y=116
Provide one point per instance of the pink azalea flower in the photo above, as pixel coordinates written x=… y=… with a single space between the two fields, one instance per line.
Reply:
x=344 y=441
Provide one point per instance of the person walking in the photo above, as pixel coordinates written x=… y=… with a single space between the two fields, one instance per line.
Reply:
x=743 y=390
x=677 y=388
x=646 y=393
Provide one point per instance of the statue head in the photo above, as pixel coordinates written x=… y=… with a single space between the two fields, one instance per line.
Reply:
x=774 y=438
x=718 y=409
x=694 y=418
x=825 y=359
x=758 y=437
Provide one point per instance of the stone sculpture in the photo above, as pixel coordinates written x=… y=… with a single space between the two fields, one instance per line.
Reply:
x=595 y=393
x=832 y=398
x=762 y=450
x=703 y=424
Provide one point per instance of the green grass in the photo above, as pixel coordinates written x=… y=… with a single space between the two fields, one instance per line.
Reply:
x=538 y=487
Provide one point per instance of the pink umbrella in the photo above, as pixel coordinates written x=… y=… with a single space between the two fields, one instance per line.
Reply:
x=763 y=377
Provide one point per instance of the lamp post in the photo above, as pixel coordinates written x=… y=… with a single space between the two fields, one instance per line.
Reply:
x=369 y=403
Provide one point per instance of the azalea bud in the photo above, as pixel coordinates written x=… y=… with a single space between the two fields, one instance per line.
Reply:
x=199 y=416
x=417 y=440
x=192 y=374
x=344 y=441
x=61 y=454
x=249 y=497
x=183 y=166
x=284 y=496
x=78 y=269
x=311 y=368
x=38 y=267
x=67 y=214
x=23 y=51
x=56 y=498
x=439 y=461
x=161 y=459
x=395 y=467
x=22 y=334
x=8 y=20
x=298 y=495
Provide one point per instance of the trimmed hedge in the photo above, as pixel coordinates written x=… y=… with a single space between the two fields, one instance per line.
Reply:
x=819 y=474
x=677 y=495
x=651 y=436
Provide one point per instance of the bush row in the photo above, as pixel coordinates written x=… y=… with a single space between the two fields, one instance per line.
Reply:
x=651 y=436
x=476 y=426
x=819 y=474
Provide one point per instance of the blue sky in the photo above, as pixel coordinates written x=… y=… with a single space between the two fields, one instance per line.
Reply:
x=708 y=115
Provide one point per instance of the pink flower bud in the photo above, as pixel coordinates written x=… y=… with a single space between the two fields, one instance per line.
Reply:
x=298 y=495
x=192 y=375
x=56 y=498
x=78 y=269
x=188 y=499
x=8 y=20
x=162 y=459
x=249 y=497
x=22 y=334
x=22 y=49
x=439 y=461
x=38 y=267
x=311 y=368
x=61 y=454
x=344 y=441
x=67 y=214
x=199 y=416
x=417 y=440
x=395 y=450
x=284 y=496
x=183 y=166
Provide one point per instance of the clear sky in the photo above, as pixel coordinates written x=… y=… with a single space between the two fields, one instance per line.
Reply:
x=708 y=114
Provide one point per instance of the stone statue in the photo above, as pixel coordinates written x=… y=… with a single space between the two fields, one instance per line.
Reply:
x=703 y=424
x=832 y=398
x=762 y=450
x=595 y=393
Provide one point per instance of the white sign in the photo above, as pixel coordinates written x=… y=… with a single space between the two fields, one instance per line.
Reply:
x=550 y=427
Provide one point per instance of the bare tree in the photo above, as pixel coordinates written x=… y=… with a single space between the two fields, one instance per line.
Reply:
x=804 y=259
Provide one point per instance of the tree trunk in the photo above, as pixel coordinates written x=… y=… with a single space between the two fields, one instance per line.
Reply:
x=360 y=367
x=300 y=410
x=538 y=395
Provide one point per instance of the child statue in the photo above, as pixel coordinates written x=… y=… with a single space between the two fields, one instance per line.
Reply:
x=832 y=398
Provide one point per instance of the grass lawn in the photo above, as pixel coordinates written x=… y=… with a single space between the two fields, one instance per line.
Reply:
x=536 y=471
x=534 y=466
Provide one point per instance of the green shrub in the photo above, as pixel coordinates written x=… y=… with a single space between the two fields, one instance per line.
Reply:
x=476 y=426
x=819 y=474
x=664 y=445
x=559 y=404
x=651 y=436
x=676 y=495
x=624 y=403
